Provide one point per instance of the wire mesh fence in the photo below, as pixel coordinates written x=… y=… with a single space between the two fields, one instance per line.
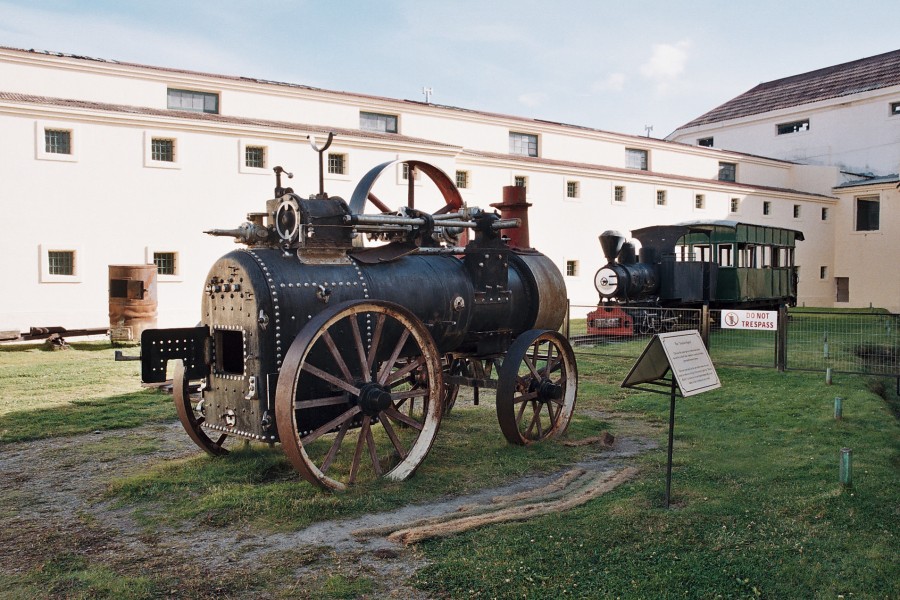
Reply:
x=623 y=331
x=846 y=342
x=741 y=347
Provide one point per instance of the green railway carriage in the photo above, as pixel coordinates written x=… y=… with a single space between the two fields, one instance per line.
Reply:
x=722 y=263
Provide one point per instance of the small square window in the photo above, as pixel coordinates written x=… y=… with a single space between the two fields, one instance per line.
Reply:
x=895 y=109
x=824 y=213
x=337 y=163
x=727 y=171
x=636 y=159
x=255 y=157
x=61 y=262
x=792 y=127
x=707 y=142
x=162 y=150
x=404 y=173
x=767 y=207
x=571 y=189
x=661 y=199
x=796 y=211
x=699 y=201
x=462 y=179
x=523 y=144
x=57 y=141
x=166 y=263
x=735 y=204
x=571 y=268
x=823 y=272
x=369 y=121
x=520 y=181
x=619 y=193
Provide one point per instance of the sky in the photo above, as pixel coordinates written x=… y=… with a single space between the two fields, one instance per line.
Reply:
x=617 y=66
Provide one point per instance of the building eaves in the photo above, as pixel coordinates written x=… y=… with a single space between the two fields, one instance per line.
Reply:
x=547 y=162
x=212 y=118
x=858 y=76
x=525 y=122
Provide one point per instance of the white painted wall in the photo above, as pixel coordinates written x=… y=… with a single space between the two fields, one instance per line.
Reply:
x=113 y=207
x=855 y=133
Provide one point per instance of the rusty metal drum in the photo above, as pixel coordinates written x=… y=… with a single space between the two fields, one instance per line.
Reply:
x=133 y=304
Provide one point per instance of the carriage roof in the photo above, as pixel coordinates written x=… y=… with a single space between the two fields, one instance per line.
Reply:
x=666 y=237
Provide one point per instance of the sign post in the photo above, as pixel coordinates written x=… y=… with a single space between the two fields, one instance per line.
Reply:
x=683 y=356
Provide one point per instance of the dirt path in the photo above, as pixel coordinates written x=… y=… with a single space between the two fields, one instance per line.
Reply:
x=50 y=499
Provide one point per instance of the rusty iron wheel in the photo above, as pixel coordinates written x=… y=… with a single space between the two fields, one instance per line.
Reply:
x=191 y=420
x=537 y=385
x=359 y=395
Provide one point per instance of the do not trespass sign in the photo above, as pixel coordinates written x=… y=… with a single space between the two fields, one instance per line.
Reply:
x=749 y=319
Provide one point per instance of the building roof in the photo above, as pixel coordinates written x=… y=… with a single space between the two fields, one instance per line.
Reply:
x=854 y=77
x=531 y=160
x=894 y=178
x=301 y=128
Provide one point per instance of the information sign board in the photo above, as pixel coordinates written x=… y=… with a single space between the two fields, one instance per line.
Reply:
x=684 y=353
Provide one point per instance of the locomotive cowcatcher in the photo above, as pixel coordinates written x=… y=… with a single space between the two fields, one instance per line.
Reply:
x=349 y=356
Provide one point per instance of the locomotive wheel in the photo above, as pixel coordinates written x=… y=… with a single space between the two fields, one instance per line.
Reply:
x=536 y=389
x=189 y=417
x=368 y=366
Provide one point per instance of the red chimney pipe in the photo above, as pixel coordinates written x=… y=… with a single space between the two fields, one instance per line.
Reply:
x=515 y=207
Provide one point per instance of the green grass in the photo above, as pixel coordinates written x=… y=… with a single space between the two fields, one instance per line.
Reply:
x=46 y=393
x=258 y=486
x=757 y=508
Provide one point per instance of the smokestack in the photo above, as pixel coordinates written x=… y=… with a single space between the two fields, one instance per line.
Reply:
x=611 y=241
x=515 y=207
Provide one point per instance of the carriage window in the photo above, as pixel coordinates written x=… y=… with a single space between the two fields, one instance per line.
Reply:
x=725 y=257
x=748 y=257
x=704 y=252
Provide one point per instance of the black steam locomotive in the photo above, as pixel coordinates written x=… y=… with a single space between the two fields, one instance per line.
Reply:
x=721 y=264
x=349 y=355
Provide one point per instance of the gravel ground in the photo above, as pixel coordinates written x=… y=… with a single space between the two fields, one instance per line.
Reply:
x=50 y=498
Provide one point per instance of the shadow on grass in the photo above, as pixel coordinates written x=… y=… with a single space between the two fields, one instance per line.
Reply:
x=114 y=412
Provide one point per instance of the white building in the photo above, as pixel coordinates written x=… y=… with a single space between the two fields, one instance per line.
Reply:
x=113 y=163
x=845 y=117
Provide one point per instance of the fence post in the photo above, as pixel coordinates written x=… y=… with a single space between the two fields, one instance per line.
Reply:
x=704 y=325
x=568 y=318
x=781 y=339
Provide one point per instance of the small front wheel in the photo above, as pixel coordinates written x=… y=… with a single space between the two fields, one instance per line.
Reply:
x=537 y=386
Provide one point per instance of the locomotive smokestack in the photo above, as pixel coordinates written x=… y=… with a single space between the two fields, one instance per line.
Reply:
x=611 y=241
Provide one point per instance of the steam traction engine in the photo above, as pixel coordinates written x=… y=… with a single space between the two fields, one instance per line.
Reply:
x=349 y=356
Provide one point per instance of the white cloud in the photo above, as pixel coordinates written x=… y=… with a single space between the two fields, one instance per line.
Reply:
x=666 y=63
x=615 y=82
x=532 y=99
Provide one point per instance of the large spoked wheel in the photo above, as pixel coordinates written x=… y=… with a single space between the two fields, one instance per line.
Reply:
x=536 y=389
x=359 y=395
x=191 y=418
